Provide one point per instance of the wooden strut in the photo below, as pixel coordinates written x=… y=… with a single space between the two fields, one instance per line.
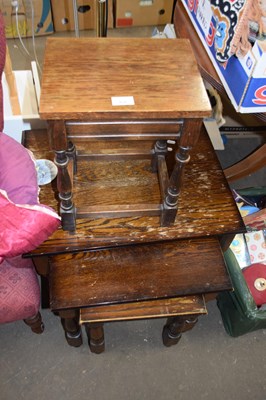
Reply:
x=158 y=164
x=11 y=82
x=170 y=185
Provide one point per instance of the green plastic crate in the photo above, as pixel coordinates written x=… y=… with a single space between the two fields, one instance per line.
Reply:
x=239 y=311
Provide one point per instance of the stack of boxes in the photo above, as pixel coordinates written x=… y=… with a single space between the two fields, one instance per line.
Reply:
x=57 y=15
x=18 y=16
x=63 y=15
x=243 y=76
x=143 y=12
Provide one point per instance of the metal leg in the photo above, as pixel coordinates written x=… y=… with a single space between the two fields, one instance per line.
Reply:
x=76 y=19
x=101 y=18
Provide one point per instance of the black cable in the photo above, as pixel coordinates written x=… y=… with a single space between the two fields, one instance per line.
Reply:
x=106 y=18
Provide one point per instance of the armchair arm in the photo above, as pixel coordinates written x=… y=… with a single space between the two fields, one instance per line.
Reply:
x=2 y=64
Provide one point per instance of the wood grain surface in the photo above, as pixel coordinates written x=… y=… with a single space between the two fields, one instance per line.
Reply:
x=80 y=77
x=137 y=273
x=206 y=205
x=161 y=308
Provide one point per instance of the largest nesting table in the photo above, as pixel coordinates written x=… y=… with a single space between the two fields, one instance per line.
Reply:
x=124 y=118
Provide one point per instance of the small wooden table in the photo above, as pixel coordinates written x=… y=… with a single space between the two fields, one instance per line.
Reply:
x=140 y=269
x=206 y=205
x=122 y=90
x=136 y=282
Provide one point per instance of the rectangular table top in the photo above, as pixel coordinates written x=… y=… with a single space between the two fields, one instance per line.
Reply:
x=206 y=205
x=137 y=273
x=109 y=78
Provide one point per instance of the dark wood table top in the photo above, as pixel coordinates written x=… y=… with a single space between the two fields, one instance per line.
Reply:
x=206 y=204
x=137 y=273
x=81 y=76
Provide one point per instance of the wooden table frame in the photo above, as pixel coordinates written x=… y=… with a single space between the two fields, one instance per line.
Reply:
x=154 y=116
x=140 y=245
x=170 y=186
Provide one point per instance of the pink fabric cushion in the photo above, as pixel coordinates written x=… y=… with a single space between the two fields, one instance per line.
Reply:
x=19 y=290
x=24 y=223
x=23 y=227
x=2 y=64
x=18 y=176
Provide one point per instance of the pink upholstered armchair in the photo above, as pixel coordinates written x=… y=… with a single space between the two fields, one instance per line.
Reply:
x=2 y=64
x=24 y=224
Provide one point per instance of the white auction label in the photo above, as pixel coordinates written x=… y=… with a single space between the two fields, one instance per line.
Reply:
x=123 y=101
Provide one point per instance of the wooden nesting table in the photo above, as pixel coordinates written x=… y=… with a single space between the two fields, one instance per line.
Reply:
x=125 y=268
x=122 y=91
x=124 y=119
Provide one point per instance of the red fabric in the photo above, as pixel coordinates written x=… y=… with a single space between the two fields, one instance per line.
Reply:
x=2 y=64
x=21 y=187
x=19 y=287
x=24 y=223
x=255 y=276
x=19 y=290
x=23 y=227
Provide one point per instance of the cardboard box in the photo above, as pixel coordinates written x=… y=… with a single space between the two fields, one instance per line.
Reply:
x=143 y=12
x=63 y=15
x=43 y=24
x=244 y=78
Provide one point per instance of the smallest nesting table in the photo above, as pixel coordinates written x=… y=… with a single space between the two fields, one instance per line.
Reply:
x=122 y=91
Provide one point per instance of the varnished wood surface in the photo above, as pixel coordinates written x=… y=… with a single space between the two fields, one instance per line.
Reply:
x=137 y=273
x=162 y=308
x=80 y=77
x=206 y=204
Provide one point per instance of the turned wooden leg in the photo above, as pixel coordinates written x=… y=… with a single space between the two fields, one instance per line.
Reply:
x=170 y=202
x=64 y=186
x=72 y=153
x=175 y=326
x=70 y=323
x=160 y=149
x=189 y=137
x=59 y=143
x=95 y=335
x=35 y=323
